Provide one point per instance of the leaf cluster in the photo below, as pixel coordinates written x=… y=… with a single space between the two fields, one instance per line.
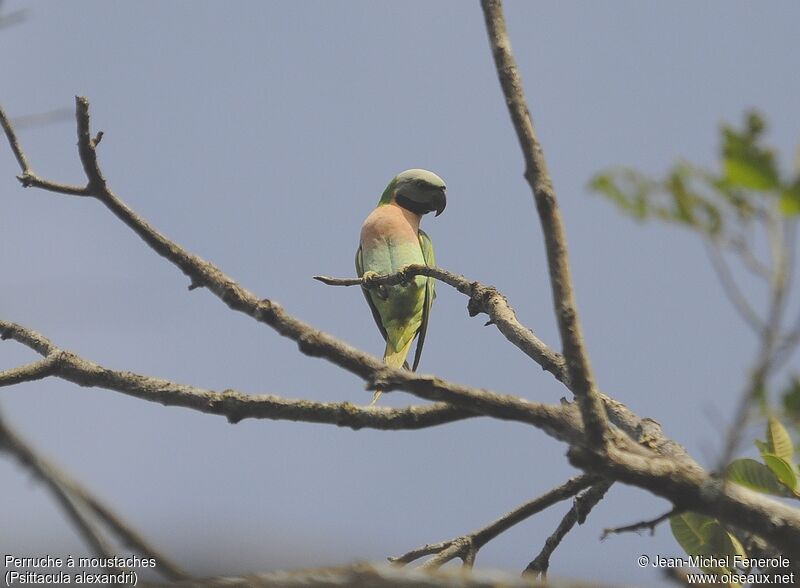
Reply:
x=748 y=182
x=778 y=475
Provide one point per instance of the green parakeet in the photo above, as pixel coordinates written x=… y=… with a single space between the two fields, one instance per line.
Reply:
x=390 y=240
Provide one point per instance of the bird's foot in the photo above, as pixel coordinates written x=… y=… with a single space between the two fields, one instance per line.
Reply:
x=367 y=278
x=375 y=396
x=407 y=277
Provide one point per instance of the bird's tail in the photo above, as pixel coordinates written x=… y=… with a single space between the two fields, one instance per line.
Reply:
x=395 y=359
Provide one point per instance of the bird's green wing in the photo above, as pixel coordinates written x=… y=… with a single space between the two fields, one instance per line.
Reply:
x=375 y=314
x=430 y=294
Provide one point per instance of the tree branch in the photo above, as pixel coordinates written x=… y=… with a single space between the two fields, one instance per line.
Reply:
x=650 y=525
x=13 y=141
x=487 y=299
x=691 y=488
x=482 y=299
x=770 y=337
x=74 y=499
x=234 y=405
x=577 y=358
x=467 y=546
x=316 y=343
x=675 y=476
x=28 y=178
x=731 y=289
x=53 y=479
x=310 y=341
x=28 y=373
x=367 y=575
x=581 y=507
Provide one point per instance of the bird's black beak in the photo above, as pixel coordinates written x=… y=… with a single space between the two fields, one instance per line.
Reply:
x=439 y=202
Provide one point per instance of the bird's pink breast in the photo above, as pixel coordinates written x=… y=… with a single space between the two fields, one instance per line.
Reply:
x=390 y=223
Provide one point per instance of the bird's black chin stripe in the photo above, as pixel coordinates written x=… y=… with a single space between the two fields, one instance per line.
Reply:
x=414 y=207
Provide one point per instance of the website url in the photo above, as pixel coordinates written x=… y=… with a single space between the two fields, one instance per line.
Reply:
x=702 y=578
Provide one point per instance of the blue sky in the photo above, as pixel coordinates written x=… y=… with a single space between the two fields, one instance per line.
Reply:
x=259 y=135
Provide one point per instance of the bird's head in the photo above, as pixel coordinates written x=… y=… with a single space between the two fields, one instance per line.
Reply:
x=417 y=190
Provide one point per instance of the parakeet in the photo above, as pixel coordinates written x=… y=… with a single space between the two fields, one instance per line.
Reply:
x=390 y=240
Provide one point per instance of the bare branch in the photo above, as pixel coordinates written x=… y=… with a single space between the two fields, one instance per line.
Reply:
x=27 y=178
x=693 y=489
x=316 y=343
x=28 y=373
x=487 y=299
x=467 y=546
x=742 y=249
x=74 y=498
x=581 y=507
x=8 y=129
x=675 y=476
x=577 y=359
x=367 y=575
x=482 y=299
x=125 y=532
x=649 y=525
x=310 y=340
x=53 y=479
x=770 y=335
x=731 y=289
x=234 y=405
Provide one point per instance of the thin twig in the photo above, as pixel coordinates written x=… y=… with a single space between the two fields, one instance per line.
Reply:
x=14 y=142
x=52 y=478
x=75 y=498
x=482 y=299
x=126 y=533
x=28 y=178
x=581 y=507
x=467 y=546
x=770 y=334
x=574 y=351
x=742 y=249
x=731 y=289
x=649 y=525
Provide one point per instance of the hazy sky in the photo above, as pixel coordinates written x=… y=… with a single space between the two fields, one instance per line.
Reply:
x=260 y=135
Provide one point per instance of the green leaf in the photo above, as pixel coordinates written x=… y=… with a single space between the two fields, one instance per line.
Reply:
x=632 y=199
x=756 y=476
x=763 y=447
x=780 y=443
x=750 y=174
x=790 y=199
x=687 y=528
x=783 y=470
x=701 y=535
x=746 y=163
x=688 y=206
